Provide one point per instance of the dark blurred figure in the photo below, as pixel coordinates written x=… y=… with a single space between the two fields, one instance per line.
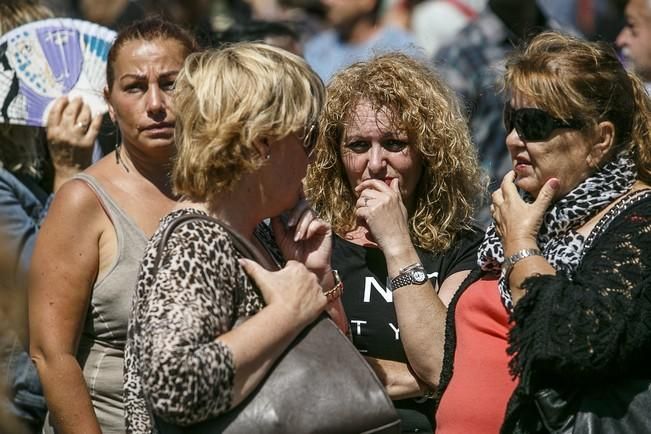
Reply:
x=472 y=65
x=278 y=34
x=193 y=15
x=113 y=14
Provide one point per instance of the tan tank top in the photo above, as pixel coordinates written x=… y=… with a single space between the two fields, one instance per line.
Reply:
x=101 y=347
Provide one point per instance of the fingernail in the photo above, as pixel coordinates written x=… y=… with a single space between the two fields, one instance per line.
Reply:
x=555 y=183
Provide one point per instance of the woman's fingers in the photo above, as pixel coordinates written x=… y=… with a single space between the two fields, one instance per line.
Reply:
x=56 y=112
x=72 y=111
x=254 y=270
x=93 y=129
x=293 y=287
x=295 y=214
x=372 y=184
x=302 y=225
x=546 y=195
x=508 y=187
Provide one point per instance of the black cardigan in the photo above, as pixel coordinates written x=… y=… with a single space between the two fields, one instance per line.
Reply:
x=590 y=330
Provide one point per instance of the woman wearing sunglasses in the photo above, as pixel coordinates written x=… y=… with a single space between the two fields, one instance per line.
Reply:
x=396 y=175
x=570 y=252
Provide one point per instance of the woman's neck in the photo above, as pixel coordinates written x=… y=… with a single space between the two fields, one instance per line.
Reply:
x=155 y=168
x=239 y=208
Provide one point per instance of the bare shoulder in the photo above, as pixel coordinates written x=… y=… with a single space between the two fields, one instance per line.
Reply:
x=75 y=203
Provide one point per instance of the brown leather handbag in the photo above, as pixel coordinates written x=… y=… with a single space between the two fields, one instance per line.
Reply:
x=320 y=384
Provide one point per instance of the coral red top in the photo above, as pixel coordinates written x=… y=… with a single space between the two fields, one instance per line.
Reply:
x=475 y=399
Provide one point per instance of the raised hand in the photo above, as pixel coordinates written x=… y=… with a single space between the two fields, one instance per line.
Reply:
x=294 y=288
x=71 y=133
x=516 y=221
x=381 y=209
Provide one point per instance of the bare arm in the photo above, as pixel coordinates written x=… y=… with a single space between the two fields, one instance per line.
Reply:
x=420 y=312
x=397 y=378
x=64 y=267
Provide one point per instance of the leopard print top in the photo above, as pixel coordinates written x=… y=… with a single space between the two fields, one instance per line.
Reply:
x=174 y=366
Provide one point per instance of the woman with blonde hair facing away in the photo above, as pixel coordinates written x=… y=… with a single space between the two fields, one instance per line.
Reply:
x=244 y=113
x=396 y=175
x=89 y=248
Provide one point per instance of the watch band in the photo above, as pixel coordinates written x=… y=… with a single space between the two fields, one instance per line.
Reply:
x=518 y=256
x=406 y=276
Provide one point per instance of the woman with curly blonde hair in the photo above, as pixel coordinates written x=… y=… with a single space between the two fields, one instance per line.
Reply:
x=396 y=175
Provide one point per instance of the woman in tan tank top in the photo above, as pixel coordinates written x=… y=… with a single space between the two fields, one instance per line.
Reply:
x=88 y=252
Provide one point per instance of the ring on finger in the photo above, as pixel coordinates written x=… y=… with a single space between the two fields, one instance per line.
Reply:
x=82 y=125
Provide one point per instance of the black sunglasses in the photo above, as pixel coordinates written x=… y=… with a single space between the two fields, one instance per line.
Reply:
x=535 y=125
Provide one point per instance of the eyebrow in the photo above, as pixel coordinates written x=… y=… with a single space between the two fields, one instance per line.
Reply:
x=144 y=76
x=386 y=135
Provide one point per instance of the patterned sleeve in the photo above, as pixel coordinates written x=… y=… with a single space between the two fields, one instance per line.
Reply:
x=597 y=324
x=187 y=375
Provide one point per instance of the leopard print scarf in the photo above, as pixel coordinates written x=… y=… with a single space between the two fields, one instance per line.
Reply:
x=557 y=238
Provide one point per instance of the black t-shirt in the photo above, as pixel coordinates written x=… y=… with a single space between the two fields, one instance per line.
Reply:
x=369 y=304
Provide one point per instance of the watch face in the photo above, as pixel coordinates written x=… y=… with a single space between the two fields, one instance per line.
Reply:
x=419 y=276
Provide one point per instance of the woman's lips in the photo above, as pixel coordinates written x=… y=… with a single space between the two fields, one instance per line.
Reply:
x=387 y=181
x=521 y=165
x=159 y=128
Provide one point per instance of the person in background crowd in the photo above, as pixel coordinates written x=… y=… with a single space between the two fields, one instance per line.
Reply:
x=635 y=38
x=397 y=176
x=274 y=33
x=356 y=34
x=82 y=281
x=245 y=117
x=33 y=165
x=114 y=14
x=472 y=63
x=435 y=23
x=25 y=197
x=576 y=249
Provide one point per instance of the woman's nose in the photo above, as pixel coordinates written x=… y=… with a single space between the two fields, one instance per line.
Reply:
x=376 y=159
x=513 y=139
x=155 y=103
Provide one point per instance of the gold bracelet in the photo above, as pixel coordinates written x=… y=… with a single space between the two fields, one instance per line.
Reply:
x=336 y=291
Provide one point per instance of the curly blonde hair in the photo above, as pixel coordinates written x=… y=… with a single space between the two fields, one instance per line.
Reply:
x=418 y=103
x=573 y=78
x=227 y=98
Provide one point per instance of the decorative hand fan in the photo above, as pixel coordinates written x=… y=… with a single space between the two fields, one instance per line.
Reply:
x=45 y=59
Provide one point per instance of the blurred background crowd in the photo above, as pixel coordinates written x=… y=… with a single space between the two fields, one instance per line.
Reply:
x=466 y=41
